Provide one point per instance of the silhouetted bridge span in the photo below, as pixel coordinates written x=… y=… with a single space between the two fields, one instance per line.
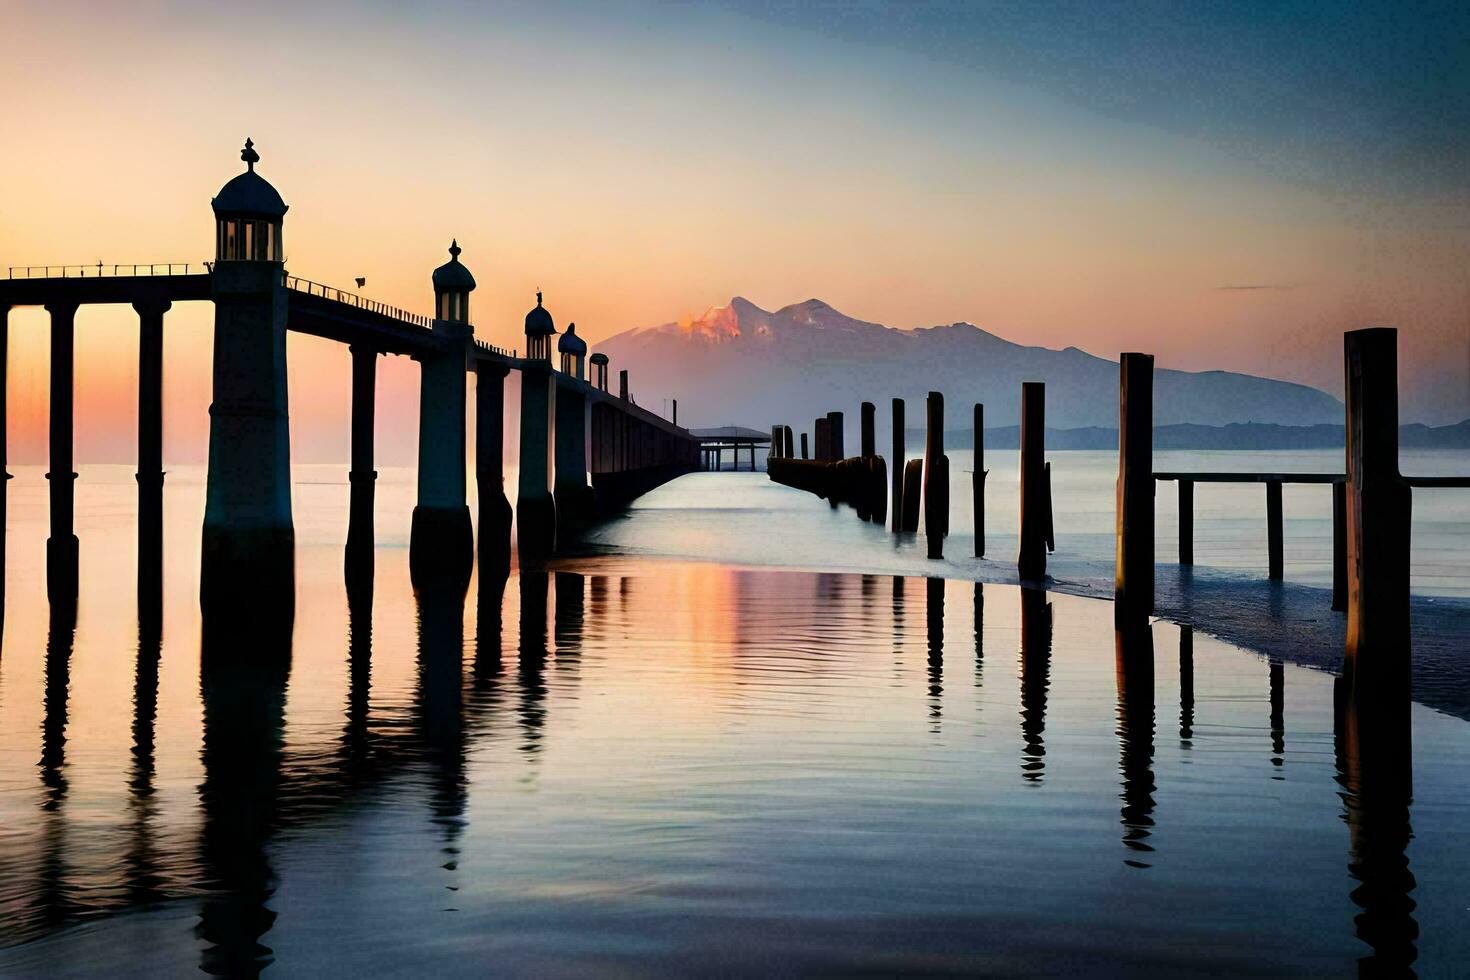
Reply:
x=248 y=535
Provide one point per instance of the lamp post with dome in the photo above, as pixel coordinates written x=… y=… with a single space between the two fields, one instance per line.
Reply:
x=574 y=498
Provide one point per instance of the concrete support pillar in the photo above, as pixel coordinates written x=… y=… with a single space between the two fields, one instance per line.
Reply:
x=535 y=508
x=835 y=429
x=896 y=474
x=61 y=546
x=1378 y=501
x=1035 y=508
x=361 y=476
x=150 y=444
x=4 y=441
x=495 y=515
x=1273 y=530
x=574 y=505
x=1186 y=522
x=248 y=561
x=936 y=478
x=441 y=548
x=870 y=442
x=1133 y=591
x=977 y=481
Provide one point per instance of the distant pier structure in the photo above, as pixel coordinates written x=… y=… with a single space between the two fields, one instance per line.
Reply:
x=248 y=536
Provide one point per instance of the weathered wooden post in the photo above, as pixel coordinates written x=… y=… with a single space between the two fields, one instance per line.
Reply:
x=775 y=451
x=1339 y=546
x=898 y=465
x=1273 y=530
x=1031 y=562
x=870 y=444
x=936 y=478
x=1378 y=503
x=788 y=447
x=1186 y=522
x=913 y=493
x=804 y=454
x=977 y=481
x=836 y=428
x=822 y=434
x=1134 y=586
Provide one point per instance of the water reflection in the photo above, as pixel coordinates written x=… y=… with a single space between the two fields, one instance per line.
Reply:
x=567 y=619
x=243 y=687
x=439 y=715
x=531 y=666
x=1186 y=686
x=54 y=900
x=1375 y=773
x=1036 y=632
x=144 y=883
x=1278 y=714
x=1135 y=672
x=979 y=620
x=934 y=632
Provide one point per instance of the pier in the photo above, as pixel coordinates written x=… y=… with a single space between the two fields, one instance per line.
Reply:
x=248 y=533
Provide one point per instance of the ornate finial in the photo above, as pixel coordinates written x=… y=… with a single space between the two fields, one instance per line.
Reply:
x=249 y=155
x=538 y=297
x=571 y=328
x=454 y=250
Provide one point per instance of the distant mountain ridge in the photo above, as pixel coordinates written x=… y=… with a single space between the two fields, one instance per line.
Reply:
x=741 y=364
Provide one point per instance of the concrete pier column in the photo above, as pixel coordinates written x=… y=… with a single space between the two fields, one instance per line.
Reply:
x=4 y=442
x=495 y=514
x=150 y=441
x=1035 y=508
x=535 y=508
x=936 y=478
x=977 y=481
x=248 y=560
x=361 y=476
x=895 y=475
x=835 y=429
x=574 y=503
x=1133 y=590
x=441 y=544
x=1378 y=501
x=61 y=546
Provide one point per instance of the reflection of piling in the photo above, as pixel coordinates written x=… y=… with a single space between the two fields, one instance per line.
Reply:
x=1036 y=637
x=1035 y=507
x=977 y=481
x=936 y=477
x=1134 y=581
x=1134 y=664
x=897 y=503
x=1377 y=656
x=934 y=632
x=1186 y=684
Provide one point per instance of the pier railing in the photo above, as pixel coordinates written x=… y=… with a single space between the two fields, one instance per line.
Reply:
x=310 y=288
x=98 y=270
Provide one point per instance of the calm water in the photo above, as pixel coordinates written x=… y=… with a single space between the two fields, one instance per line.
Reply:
x=640 y=765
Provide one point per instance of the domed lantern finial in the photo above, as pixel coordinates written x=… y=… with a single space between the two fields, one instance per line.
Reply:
x=538 y=297
x=249 y=155
x=454 y=249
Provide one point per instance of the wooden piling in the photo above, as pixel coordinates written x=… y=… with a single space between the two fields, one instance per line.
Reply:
x=897 y=476
x=1339 y=547
x=1378 y=502
x=1134 y=583
x=1186 y=522
x=1273 y=530
x=804 y=454
x=1031 y=562
x=870 y=444
x=936 y=477
x=836 y=428
x=977 y=481
x=913 y=493
x=822 y=429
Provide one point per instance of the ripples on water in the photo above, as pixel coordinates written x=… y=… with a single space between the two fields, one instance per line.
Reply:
x=643 y=766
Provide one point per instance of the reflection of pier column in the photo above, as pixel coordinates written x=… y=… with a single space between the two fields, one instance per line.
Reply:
x=244 y=710
x=54 y=901
x=61 y=546
x=1036 y=631
x=567 y=617
x=150 y=440
x=535 y=508
x=361 y=474
x=1135 y=672
x=934 y=623
x=1375 y=770
x=490 y=468
x=531 y=665
x=441 y=548
x=143 y=881
x=439 y=713
x=4 y=444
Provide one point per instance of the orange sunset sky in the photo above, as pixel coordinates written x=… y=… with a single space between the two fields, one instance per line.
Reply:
x=1109 y=186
